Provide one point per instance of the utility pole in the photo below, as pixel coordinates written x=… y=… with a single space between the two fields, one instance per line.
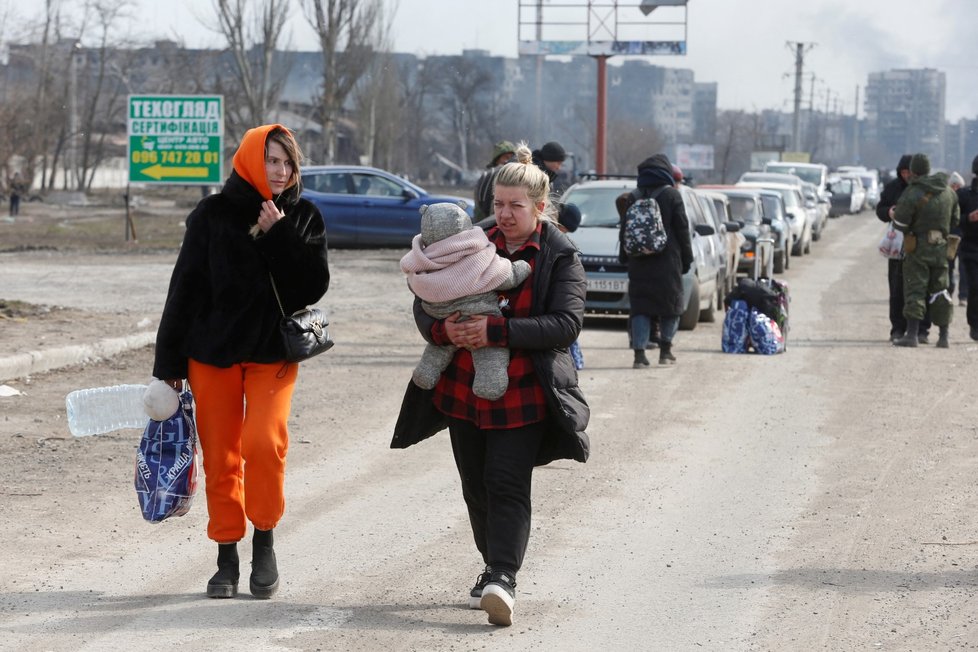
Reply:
x=800 y=50
x=855 y=127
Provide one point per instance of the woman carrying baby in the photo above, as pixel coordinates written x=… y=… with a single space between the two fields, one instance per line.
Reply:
x=541 y=416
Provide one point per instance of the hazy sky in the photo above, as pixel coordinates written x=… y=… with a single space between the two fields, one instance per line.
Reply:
x=741 y=44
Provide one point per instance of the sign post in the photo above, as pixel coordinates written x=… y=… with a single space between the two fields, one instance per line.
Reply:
x=176 y=139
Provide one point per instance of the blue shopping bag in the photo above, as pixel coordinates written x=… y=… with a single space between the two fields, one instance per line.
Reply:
x=166 y=464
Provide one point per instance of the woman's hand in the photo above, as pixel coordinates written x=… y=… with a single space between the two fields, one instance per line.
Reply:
x=269 y=215
x=175 y=383
x=469 y=334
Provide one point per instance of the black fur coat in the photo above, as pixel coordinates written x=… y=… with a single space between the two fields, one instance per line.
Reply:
x=220 y=308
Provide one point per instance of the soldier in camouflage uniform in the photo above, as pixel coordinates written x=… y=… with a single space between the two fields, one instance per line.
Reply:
x=928 y=210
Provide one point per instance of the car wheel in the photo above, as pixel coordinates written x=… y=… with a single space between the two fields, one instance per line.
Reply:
x=808 y=243
x=781 y=262
x=687 y=321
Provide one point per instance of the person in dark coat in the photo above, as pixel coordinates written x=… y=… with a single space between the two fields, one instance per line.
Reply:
x=502 y=153
x=655 y=282
x=968 y=248
x=541 y=417
x=894 y=267
x=220 y=332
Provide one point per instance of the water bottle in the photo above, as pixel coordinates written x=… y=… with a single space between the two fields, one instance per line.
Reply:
x=104 y=409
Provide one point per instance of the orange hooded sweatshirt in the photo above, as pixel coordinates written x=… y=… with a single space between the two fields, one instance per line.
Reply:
x=249 y=160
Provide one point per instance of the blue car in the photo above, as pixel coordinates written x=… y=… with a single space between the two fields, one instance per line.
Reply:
x=368 y=207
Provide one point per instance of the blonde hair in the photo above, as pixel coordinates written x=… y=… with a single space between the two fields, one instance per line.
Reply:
x=524 y=173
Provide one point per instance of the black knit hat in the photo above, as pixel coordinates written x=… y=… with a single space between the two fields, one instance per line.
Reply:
x=904 y=163
x=553 y=151
x=569 y=216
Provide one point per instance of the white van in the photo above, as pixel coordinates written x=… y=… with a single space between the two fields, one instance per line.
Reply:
x=816 y=173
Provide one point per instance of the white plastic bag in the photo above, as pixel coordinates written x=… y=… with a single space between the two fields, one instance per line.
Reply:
x=891 y=244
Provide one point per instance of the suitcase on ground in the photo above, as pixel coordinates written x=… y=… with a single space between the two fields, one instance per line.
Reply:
x=767 y=299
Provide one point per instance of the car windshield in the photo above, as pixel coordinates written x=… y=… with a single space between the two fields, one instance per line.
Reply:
x=597 y=204
x=868 y=180
x=789 y=197
x=772 y=207
x=811 y=175
x=744 y=209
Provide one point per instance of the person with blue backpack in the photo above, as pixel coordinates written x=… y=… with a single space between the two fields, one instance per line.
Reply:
x=655 y=245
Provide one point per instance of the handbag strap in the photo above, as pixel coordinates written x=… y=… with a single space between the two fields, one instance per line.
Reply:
x=275 y=290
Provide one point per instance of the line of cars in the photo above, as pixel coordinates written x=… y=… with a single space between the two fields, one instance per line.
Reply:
x=725 y=222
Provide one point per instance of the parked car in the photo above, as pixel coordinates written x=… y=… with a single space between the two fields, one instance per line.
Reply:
x=751 y=207
x=607 y=279
x=717 y=205
x=799 y=216
x=866 y=178
x=819 y=208
x=368 y=207
x=770 y=177
x=816 y=173
x=842 y=199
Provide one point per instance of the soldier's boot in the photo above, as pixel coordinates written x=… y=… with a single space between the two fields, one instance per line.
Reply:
x=910 y=337
x=942 y=342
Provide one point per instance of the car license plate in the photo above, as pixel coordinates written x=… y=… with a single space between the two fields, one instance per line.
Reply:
x=607 y=285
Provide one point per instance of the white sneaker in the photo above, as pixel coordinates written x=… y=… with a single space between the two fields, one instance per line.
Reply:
x=498 y=598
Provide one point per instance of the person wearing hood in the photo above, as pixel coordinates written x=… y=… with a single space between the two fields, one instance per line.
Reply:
x=926 y=212
x=503 y=152
x=968 y=248
x=894 y=266
x=219 y=331
x=655 y=282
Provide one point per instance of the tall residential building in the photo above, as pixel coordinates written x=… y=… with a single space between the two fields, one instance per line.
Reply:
x=905 y=113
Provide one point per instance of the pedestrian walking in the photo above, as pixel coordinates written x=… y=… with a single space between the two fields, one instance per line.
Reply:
x=17 y=189
x=925 y=213
x=894 y=266
x=220 y=331
x=655 y=281
x=541 y=417
x=968 y=248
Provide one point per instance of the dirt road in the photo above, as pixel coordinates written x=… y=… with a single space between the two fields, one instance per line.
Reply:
x=821 y=499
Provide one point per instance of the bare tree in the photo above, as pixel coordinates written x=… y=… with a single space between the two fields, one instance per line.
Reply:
x=629 y=144
x=259 y=73
x=465 y=87
x=736 y=131
x=346 y=32
x=377 y=100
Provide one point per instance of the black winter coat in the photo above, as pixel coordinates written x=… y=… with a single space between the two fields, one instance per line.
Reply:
x=220 y=308
x=655 y=283
x=889 y=196
x=968 y=202
x=559 y=287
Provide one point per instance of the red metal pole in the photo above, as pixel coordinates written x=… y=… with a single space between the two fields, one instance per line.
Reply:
x=599 y=155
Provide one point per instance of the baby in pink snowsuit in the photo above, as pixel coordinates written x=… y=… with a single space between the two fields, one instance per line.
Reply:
x=452 y=267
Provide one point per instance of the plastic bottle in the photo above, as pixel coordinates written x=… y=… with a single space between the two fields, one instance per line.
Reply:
x=104 y=409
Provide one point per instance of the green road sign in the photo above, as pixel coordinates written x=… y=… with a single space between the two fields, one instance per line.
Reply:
x=176 y=138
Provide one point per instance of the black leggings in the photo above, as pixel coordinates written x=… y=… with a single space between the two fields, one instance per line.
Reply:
x=496 y=468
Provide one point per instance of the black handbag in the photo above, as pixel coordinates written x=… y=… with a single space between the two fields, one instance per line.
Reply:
x=304 y=332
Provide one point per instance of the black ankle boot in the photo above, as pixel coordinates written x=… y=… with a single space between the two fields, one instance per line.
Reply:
x=264 y=571
x=640 y=361
x=910 y=337
x=224 y=584
x=942 y=342
x=665 y=353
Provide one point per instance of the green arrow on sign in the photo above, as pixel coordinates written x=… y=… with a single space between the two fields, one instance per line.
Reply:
x=158 y=172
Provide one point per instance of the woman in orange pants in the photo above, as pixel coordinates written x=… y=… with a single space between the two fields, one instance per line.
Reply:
x=219 y=330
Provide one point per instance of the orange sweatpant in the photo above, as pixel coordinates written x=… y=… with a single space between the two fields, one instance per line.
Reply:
x=242 y=415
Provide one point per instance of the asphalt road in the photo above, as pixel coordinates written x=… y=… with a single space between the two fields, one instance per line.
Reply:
x=819 y=499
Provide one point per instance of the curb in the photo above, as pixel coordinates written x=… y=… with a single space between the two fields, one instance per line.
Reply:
x=35 y=362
